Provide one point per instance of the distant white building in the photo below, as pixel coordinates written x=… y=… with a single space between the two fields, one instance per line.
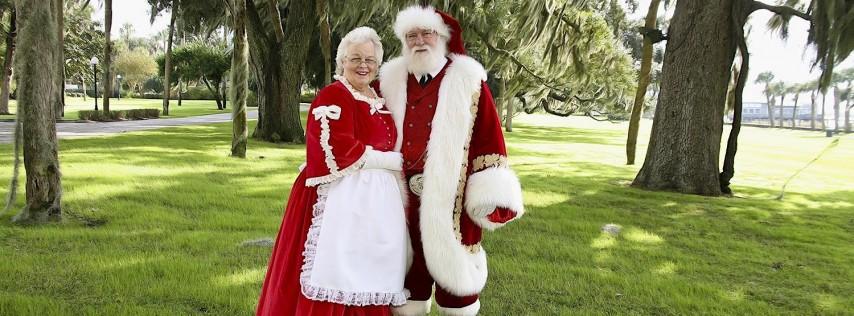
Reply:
x=759 y=111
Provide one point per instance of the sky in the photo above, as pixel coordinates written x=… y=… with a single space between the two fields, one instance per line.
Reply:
x=135 y=12
x=788 y=60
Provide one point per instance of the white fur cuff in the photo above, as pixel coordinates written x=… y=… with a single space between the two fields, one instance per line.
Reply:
x=413 y=308
x=470 y=310
x=491 y=188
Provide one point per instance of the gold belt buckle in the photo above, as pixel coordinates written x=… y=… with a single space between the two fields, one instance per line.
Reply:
x=416 y=184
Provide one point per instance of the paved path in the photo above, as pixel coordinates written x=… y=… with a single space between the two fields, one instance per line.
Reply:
x=90 y=129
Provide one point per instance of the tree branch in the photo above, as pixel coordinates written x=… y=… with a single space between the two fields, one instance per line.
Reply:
x=779 y=9
x=273 y=6
x=517 y=62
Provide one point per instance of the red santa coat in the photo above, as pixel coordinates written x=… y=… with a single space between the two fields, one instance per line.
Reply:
x=465 y=170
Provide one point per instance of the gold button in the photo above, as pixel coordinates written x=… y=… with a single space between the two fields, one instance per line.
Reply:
x=410 y=125
x=430 y=106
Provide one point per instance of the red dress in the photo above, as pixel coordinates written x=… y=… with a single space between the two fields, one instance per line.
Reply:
x=349 y=129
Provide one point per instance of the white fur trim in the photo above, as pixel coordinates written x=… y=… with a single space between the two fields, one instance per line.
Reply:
x=470 y=310
x=454 y=268
x=417 y=16
x=491 y=188
x=413 y=308
x=393 y=78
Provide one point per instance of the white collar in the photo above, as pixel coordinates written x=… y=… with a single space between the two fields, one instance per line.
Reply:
x=377 y=104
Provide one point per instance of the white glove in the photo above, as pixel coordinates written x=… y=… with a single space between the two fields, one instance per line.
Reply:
x=389 y=160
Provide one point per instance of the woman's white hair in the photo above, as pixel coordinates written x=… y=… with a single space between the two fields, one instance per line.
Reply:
x=357 y=36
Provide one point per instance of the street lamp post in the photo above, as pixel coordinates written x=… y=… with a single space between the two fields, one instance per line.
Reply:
x=119 y=78
x=94 y=62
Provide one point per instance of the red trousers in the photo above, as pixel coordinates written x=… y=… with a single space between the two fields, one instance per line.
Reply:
x=418 y=279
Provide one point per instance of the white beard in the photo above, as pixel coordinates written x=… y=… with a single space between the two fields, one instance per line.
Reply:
x=423 y=63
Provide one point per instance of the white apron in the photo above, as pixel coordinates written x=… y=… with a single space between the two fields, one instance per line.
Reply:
x=360 y=242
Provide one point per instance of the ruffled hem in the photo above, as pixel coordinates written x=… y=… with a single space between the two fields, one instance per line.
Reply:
x=334 y=295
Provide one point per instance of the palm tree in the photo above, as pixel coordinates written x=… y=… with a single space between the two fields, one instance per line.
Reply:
x=847 y=76
x=766 y=78
x=796 y=89
x=777 y=89
x=813 y=89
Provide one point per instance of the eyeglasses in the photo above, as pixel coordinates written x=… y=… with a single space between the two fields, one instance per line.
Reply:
x=425 y=34
x=357 y=61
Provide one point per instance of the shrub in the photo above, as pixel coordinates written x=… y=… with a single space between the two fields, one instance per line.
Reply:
x=152 y=113
x=134 y=114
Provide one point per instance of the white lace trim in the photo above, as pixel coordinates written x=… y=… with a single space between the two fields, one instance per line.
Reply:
x=377 y=104
x=356 y=166
x=324 y=136
x=334 y=295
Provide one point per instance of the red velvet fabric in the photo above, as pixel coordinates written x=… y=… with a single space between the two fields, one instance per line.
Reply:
x=349 y=134
x=356 y=128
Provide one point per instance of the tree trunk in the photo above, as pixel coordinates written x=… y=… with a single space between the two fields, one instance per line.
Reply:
x=502 y=99
x=770 y=106
x=812 y=109
x=108 y=48
x=643 y=83
x=795 y=111
x=782 y=108
x=684 y=147
x=180 y=85
x=848 y=117
x=223 y=92
x=239 y=81
x=214 y=92
x=83 y=84
x=325 y=39
x=167 y=71
x=36 y=63
x=739 y=19
x=280 y=60
x=823 y=105
x=60 y=58
x=7 y=64
x=837 y=94
x=508 y=116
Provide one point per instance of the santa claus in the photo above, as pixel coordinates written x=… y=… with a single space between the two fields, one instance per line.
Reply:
x=455 y=161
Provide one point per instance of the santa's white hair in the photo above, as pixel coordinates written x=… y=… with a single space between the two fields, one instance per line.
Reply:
x=357 y=36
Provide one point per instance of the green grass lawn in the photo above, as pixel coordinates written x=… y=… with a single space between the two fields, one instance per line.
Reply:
x=154 y=223
x=187 y=108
